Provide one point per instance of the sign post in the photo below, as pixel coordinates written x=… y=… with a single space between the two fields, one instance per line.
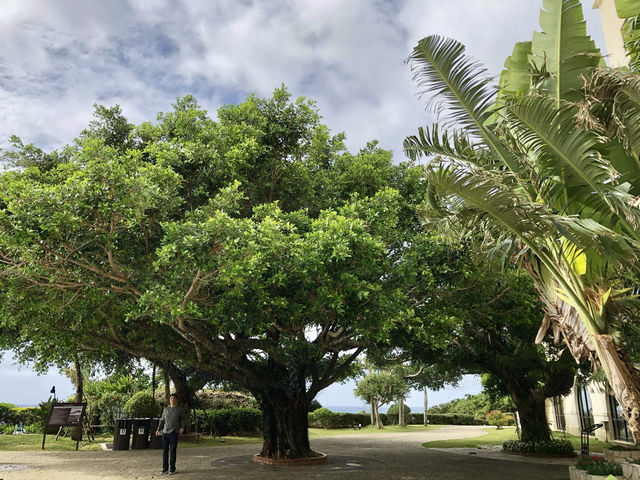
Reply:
x=64 y=415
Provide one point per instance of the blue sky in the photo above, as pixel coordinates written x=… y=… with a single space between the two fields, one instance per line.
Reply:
x=58 y=58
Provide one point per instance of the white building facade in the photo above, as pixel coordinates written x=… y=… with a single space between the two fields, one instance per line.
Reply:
x=586 y=406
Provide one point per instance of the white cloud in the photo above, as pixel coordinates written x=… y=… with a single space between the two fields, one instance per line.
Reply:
x=58 y=58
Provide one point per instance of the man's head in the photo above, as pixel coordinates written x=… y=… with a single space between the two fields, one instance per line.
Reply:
x=173 y=400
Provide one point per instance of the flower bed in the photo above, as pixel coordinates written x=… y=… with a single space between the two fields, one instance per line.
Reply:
x=595 y=465
x=552 y=447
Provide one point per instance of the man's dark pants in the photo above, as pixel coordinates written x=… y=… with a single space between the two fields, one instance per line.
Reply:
x=169 y=446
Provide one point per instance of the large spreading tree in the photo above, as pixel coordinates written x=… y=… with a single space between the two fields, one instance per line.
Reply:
x=253 y=248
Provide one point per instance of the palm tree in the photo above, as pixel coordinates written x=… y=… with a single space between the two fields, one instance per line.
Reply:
x=519 y=163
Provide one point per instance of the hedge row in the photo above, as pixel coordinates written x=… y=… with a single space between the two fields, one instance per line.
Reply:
x=447 y=419
x=32 y=417
x=248 y=421
x=229 y=421
x=324 y=418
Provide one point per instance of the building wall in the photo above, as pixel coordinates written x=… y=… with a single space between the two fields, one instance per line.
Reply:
x=612 y=25
x=601 y=414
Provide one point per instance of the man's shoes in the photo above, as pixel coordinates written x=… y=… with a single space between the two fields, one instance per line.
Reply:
x=172 y=472
x=164 y=472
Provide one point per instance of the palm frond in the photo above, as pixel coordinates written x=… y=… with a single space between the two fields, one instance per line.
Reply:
x=458 y=85
x=612 y=107
x=430 y=141
x=534 y=223
x=573 y=175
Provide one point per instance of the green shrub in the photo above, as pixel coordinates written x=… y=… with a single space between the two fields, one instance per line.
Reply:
x=325 y=418
x=595 y=465
x=314 y=405
x=551 y=447
x=392 y=414
x=497 y=419
x=621 y=448
x=8 y=415
x=452 y=419
x=142 y=405
x=7 y=404
x=229 y=421
x=7 y=429
x=28 y=415
x=33 y=428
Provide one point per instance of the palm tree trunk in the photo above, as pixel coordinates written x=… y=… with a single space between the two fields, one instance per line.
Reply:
x=426 y=404
x=600 y=349
x=624 y=381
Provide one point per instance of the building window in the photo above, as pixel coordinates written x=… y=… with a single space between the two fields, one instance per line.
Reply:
x=558 y=410
x=620 y=426
x=585 y=409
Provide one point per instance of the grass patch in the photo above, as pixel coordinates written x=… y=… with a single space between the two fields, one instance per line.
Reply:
x=493 y=437
x=497 y=437
x=334 y=432
x=34 y=442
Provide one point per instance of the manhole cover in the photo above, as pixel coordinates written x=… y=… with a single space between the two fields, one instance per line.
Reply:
x=12 y=467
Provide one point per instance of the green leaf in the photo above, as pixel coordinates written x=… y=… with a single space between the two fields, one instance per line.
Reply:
x=627 y=8
x=516 y=78
x=564 y=48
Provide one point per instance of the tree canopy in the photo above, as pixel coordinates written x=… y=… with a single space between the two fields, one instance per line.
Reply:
x=253 y=248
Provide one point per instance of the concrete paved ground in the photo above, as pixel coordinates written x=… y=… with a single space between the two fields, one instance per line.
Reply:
x=363 y=456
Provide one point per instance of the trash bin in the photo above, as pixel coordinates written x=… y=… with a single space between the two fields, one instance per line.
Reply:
x=156 y=442
x=121 y=434
x=140 y=438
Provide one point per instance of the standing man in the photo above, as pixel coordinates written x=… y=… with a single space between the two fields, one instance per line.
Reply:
x=174 y=419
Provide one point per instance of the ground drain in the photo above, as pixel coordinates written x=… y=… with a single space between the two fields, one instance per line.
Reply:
x=12 y=467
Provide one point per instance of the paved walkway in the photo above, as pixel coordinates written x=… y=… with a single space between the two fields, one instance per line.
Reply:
x=397 y=456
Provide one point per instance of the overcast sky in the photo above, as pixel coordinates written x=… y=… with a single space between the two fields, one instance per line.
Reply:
x=58 y=58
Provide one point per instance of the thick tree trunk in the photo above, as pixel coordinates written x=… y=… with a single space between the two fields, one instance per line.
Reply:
x=285 y=424
x=378 y=422
x=426 y=405
x=533 y=414
x=402 y=421
x=624 y=381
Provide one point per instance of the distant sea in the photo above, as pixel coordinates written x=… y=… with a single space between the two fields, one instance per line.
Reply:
x=366 y=408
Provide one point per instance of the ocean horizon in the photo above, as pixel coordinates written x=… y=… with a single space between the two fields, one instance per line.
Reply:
x=365 y=408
